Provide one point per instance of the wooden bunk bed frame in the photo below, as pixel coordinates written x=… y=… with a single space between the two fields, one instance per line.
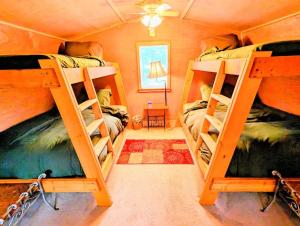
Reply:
x=59 y=80
x=250 y=72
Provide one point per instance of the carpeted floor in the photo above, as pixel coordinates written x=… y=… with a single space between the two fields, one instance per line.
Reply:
x=155 y=151
x=158 y=195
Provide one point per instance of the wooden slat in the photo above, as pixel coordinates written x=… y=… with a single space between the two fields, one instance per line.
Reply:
x=76 y=75
x=60 y=184
x=100 y=145
x=107 y=164
x=232 y=66
x=94 y=125
x=28 y=78
x=210 y=143
x=202 y=165
x=214 y=121
x=278 y=66
x=221 y=98
x=87 y=104
x=228 y=184
x=98 y=72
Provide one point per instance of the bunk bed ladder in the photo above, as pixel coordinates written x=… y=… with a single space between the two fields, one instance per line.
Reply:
x=209 y=119
x=80 y=133
x=238 y=107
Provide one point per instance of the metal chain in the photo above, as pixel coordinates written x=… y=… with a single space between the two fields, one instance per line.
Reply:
x=26 y=199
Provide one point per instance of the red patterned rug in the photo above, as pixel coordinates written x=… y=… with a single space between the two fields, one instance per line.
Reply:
x=155 y=152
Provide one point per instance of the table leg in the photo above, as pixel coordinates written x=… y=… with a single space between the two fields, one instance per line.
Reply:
x=164 y=119
x=148 y=118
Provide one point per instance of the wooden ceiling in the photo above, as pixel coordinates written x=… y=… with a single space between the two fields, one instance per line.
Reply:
x=74 y=18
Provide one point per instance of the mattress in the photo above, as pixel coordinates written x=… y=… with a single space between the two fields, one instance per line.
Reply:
x=42 y=144
x=31 y=61
x=285 y=48
x=270 y=141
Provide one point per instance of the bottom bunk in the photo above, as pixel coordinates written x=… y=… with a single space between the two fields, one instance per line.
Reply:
x=42 y=144
x=270 y=141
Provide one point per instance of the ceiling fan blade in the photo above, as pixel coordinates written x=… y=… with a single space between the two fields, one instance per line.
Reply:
x=163 y=7
x=169 y=13
x=137 y=13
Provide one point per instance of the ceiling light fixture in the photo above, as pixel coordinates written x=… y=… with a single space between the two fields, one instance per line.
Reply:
x=151 y=21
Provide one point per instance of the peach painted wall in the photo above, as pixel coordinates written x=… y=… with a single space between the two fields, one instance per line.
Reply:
x=17 y=105
x=119 y=45
x=281 y=93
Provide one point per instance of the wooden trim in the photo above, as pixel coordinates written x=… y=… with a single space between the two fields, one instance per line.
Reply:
x=277 y=66
x=232 y=66
x=187 y=9
x=28 y=78
x=153 y=90
x=114 y=8
x=234 y=184
x=32 y=30
x=76 y=75
x=270 y=22
x=152 y=43
x=60 y=184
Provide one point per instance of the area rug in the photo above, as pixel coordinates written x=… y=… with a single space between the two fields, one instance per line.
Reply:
x=155 y=152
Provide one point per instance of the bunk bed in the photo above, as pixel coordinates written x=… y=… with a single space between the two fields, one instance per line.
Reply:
x=250 y=64
x=59 y=73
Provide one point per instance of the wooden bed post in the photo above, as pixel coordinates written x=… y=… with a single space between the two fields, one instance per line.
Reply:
x=67 y=105
x=187 y=84
x=237 y=113
x=120 y=85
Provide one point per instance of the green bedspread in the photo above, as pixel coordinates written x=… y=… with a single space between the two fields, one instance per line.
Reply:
x=42 y=143
x=283 y=48
x=270 y=140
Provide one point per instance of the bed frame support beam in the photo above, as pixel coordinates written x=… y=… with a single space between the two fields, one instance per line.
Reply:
x=278 y=66
x=28 y=78
x=235 y=184
x=60 y=184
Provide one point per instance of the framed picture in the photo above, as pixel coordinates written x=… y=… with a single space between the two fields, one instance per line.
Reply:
x=147 y=53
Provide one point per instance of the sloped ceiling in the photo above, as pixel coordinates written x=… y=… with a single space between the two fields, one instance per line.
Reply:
x=74 y=18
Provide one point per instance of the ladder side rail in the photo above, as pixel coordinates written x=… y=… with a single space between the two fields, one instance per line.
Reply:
x=90 y=89
x=67 y=105
x=242 y=99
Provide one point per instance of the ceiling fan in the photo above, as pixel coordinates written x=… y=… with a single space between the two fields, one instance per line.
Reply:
x=154 y=11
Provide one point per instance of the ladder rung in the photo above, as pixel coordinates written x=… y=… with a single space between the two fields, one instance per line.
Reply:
x=210 y=143
x=87 y=104
x=94 y=125
x=214 y=121
x=100 y=145
x=221 y=98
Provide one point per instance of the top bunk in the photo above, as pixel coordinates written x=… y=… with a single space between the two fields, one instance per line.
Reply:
x=24 y=71
x=284 y=56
